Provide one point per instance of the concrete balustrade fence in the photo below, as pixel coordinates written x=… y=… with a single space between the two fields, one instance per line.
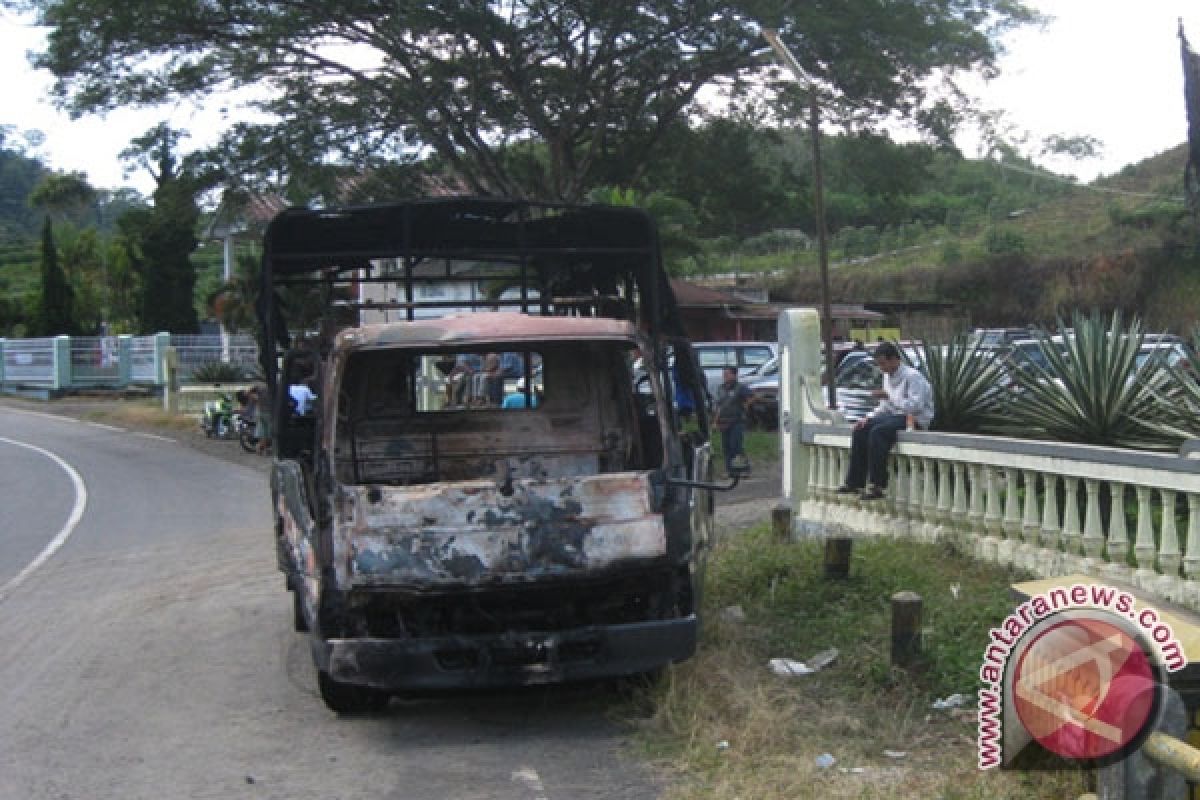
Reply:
x=66 y=363
x=1124 y=516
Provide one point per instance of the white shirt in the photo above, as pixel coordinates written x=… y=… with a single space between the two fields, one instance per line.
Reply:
x=907 y=393
x=303 y=396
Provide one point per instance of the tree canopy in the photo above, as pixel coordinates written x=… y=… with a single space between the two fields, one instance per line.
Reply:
x=598 y=83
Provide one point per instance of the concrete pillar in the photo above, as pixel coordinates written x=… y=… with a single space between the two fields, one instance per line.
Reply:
x=162 y=341
x=799 y=372
x=124 y=360
x=906 y=628
x=837 y=558
x=61 y=378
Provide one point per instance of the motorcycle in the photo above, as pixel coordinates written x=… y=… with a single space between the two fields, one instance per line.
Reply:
x=217 y=419
x=243 y=425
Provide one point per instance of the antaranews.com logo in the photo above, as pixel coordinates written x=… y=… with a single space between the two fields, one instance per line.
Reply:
x=1079 y=672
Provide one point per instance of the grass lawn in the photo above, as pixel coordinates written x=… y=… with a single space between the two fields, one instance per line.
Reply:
x=727 y=727
x=762 y=447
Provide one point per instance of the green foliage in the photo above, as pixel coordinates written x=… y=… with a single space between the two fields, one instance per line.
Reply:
x=968 y=385
x=675 y=218
x=233 y=302
x=1160 y=214
x=1094 y=392
x=1003 y=242
x=952 y=252
x=56 y=311
x=62 y=194
x=780 y=586
x=160 y=240
x=598 y=84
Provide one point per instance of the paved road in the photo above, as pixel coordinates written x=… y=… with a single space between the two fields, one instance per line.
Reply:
x=151 y=655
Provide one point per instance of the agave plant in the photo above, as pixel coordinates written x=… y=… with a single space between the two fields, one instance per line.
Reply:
x=968 y=385
x=1093 y=391
x=1180 y=402
x=217 y=372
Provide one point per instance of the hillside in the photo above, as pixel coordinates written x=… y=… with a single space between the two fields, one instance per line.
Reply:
x=1125 y=241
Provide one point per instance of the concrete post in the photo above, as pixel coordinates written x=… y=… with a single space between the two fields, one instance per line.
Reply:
x=906 y=628
x=781 y=522
x=61 y=378
x=161 y=342
x=799 y=372
x=124 y=360
x=171 y=385
x=837 y=558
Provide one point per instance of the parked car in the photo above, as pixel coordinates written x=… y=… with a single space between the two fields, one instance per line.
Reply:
x=857 y=377
x=714 y=357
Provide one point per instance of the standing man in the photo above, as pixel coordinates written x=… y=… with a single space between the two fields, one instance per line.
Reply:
x=907 y=403
x=732 y=398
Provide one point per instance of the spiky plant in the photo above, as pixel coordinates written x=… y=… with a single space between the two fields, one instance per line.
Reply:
x=1093 y=391
x=217 y=372
x=968 y=385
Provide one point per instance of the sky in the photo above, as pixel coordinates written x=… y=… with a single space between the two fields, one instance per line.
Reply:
x=1110 y=69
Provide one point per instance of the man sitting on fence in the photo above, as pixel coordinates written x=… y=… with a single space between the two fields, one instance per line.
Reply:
x=907 y=403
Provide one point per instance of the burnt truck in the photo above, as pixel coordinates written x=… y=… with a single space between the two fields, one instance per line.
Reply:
x=494 y=485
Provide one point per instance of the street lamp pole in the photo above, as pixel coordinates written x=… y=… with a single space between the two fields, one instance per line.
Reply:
x=814 y=119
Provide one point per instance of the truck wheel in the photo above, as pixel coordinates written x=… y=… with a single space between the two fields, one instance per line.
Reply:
x=347 y=698
x=299 y=621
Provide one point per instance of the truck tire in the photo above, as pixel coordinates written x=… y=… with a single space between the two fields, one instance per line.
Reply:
x=347 y=698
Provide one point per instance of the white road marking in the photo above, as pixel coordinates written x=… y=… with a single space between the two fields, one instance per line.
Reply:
x=43 y=414
x=68 y=528
x=106 y=427
x=154 y=436
x=529 y=777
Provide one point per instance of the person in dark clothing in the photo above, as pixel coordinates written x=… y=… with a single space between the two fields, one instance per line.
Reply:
x=685 y=402
x=732 y=397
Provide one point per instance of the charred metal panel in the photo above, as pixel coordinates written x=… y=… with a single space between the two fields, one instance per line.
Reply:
x=298 y=527
x=474 y=533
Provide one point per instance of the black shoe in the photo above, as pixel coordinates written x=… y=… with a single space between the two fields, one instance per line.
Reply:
x=846 y=488
x=873 y=493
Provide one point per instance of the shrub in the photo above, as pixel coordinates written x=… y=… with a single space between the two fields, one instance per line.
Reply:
x=1000 y=242
x=218 y=372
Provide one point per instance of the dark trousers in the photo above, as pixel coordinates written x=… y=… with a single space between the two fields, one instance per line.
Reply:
x=731 y=444
x=869 y=450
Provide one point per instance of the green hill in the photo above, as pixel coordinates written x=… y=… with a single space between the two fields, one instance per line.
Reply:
x=1125 y=241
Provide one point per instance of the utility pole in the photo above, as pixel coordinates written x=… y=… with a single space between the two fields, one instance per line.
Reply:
x=814 y=120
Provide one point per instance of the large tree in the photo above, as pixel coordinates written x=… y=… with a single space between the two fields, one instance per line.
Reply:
x=599 y=82
x=161 y=239
x=56 y=307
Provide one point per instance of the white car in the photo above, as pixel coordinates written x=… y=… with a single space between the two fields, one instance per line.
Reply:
x=714 y=357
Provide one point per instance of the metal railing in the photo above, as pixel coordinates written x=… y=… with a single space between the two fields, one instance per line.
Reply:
x=64 y=363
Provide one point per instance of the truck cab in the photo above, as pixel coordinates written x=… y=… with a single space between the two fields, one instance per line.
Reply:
x=484 y=493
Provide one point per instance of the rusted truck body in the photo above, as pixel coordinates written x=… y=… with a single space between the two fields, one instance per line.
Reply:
x=485 y=493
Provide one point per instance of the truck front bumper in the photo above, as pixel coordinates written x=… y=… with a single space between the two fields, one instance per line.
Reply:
x=508 y=659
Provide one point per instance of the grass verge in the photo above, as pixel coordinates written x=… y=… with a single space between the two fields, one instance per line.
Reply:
x=762 y=447
x=139 y=413
x=727 y=727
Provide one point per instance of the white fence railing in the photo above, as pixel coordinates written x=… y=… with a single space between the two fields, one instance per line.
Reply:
x=82 y=362
x=1050 y=508
x=28 y=361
